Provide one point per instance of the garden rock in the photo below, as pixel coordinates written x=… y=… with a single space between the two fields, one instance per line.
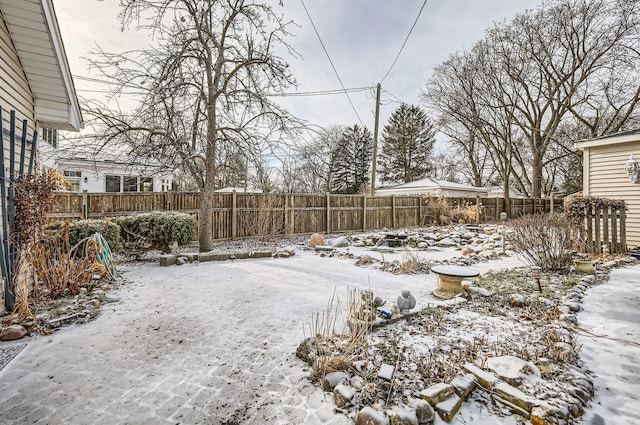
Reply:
x=436 y=393
x=402 y=416
x=448 y=408
x=13 y=332
x=517 y=300
x=332 y=379
x=343 y=394
x=514 y=370
x=386 y=372
x=306 y=351
x=463 y=385
x=370 y=416
x=315 y=240
x=181 y=261
x=339 y=242
x=424 y=411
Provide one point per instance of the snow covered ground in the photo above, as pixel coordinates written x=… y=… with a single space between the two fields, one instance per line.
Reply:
x=214 y=343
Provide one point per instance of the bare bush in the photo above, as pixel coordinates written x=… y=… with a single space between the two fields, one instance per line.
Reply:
x=543 y=240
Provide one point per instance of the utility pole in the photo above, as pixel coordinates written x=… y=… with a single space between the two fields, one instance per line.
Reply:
x=375 y=142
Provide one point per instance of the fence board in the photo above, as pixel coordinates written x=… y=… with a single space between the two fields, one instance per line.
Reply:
x=257 y=214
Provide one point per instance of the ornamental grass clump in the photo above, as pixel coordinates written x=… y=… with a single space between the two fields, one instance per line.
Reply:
x=543 y=240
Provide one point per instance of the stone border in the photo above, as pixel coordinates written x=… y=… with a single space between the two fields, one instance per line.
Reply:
x=191 y=257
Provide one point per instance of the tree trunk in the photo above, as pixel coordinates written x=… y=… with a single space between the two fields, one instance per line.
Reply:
x=205 y=233
x=536 y=177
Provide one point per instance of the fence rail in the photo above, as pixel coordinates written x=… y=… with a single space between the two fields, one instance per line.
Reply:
x=237 y=215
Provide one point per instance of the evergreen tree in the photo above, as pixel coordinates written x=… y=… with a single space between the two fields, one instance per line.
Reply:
x=351 y=161
x=407 y=142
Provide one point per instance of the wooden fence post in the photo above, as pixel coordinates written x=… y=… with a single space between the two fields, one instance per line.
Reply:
x=85 y=204
x=328 y=213
x=478 y=209
x=623 y=228
x=234 y=214
x=169 y=200
x=364 y=212
x=286 y=214
x=393 y=211
x=419 y=211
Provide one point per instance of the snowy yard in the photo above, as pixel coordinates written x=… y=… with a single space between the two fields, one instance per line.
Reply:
x=215 y=343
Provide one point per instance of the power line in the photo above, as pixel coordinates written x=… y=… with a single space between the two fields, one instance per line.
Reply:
x=328 y=92
x=330 y=61
x=405 y=41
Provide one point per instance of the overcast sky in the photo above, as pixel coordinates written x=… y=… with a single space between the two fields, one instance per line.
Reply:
x=362 y=37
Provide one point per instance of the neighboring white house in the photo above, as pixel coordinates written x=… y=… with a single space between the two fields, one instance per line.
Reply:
x=104 y=174
x=434 y=187
x=230 y=189
x=497 y=192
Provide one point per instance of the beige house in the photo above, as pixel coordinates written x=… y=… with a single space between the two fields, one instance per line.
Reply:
x=604 y=161
x=35 y=80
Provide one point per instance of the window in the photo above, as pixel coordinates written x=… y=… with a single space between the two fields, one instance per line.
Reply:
x=146 y=184
x=112 y=183
x=130 y=184
x=73 y=177
x=50 y=135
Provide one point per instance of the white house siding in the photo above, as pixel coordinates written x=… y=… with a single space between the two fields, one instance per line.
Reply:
x=605 y=178
x=15 y=92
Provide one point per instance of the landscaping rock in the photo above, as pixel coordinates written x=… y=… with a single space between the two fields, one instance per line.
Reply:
x=486 y=379
x=463 y=385
x=424 y=411
x=386 y=372
x=343 y=394
x=436 y=393
x=448 y=408
x=315 y=240
x=370 y=416
x=306 y=351
x=181 y=261
x=339 y=242
x=167 y=260
x=514 y=370
x=332 y=379
x=514 y=396
x=402 y=416
x=517 y=300
x=13 y=332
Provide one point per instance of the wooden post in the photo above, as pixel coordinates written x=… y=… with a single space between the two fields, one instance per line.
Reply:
x=169 y=200
x=328 y=213
x=623 y=228
x=292 y=214
x=615 y=248
x=286 y=214
x=364 y=212
x=605 y=229
x=85 y=204
x=478 y=209
x=598 y=243
x=234 y=214
x=553 y=200
x=419 y=210
x=393 y=211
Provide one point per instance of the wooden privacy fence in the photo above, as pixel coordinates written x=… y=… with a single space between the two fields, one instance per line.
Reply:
x=603 y=230
x=237 y=215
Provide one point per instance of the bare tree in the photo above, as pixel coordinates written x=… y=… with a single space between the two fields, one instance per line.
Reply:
x=203 y=87
x=568 y=61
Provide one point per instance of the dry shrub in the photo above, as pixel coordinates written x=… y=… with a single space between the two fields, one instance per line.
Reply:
x=543 y=240
x=62 y=270
x=438 y=211
x=334 y=352
x=265 y=220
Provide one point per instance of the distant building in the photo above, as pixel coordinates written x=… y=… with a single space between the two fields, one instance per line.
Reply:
x=433 y=187
x=497 y=192
x=103 y=174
